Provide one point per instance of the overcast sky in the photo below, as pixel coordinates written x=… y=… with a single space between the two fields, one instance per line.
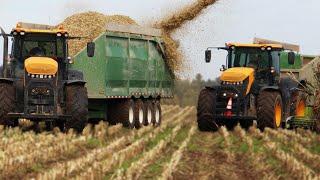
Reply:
x=292 y=21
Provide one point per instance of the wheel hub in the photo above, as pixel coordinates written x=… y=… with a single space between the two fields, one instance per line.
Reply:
x=140 y=116
x=157 y=116
x=131 y=116
x=149 y=116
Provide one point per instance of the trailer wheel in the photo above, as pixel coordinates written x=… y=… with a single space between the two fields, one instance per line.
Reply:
x=269 y=112
x=125 y=112
x=7 y=102
x=139 y=113
x=157 y=113
x=205 y=110
x=149 y=113
x=77 y=107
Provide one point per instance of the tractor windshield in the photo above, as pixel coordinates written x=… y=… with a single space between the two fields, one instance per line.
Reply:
x=39 y=45
x=249 y=57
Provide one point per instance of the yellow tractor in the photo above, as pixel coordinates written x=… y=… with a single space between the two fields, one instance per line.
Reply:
x=36 y=82
x=251 y=88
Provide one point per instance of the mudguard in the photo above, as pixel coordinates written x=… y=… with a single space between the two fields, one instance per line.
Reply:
x=75 y=77
x=74 y=82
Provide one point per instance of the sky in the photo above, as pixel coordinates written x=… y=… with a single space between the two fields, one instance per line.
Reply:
x=292 y=21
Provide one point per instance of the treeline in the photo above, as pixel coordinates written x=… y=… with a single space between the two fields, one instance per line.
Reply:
x=186 y=92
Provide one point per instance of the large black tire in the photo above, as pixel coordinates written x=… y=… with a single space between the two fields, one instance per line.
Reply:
x=125 y=113
x=157 y=113
x=149 y=112
x=205 y=110
x=7 y=103
x=316 y=127
x=77 y=107
x=139 y=113
x=267 y=114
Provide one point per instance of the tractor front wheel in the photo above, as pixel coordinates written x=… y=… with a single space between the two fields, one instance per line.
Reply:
x=205 y=110
x=7 y=102
x=269 y=112
x=77 y=107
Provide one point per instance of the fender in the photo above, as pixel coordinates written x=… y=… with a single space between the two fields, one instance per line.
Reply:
x=75 y=82
x=7 y=80
x=211 y=87
x=269 y=88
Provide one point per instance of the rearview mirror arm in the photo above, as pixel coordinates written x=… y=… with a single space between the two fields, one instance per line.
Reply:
x=218 y=48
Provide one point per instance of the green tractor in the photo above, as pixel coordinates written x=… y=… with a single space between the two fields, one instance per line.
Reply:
x=253 y=88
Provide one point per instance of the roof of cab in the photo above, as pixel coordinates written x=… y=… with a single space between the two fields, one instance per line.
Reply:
x=38 y=28
x=276 y=46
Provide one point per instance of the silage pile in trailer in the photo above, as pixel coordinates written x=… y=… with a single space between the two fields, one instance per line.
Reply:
x=92 y=24
x=173 y=22
x=89 y=25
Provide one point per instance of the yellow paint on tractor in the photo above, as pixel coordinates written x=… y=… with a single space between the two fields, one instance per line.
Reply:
x=301 y=108
x=275 y=46
x=41 y=65
x=239 y=74
x=278 y=113
x=38 y=28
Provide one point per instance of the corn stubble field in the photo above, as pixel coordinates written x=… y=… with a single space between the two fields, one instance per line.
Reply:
x=175 y=150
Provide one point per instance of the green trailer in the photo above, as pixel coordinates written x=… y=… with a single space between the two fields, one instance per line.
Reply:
x=127 y=76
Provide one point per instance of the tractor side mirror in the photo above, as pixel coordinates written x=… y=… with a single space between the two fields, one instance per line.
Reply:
x=291 y=58
x=208 y=56
x=90 y=49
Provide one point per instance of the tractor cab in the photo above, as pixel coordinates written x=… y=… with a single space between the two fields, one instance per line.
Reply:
x=252 y=64
x=39 y=50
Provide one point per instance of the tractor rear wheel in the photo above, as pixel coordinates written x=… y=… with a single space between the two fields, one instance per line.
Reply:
x=7 y=102
x=269 y=112
x=299 y=104
x=205 y=110
x=77 y=107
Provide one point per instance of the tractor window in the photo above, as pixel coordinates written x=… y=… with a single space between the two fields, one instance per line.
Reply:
x=250 y=57
x=42 y=45
x=276 y=60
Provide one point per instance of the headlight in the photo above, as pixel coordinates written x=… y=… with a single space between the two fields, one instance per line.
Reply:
x=22 y=33
x=59 y=34
x=224 y=94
